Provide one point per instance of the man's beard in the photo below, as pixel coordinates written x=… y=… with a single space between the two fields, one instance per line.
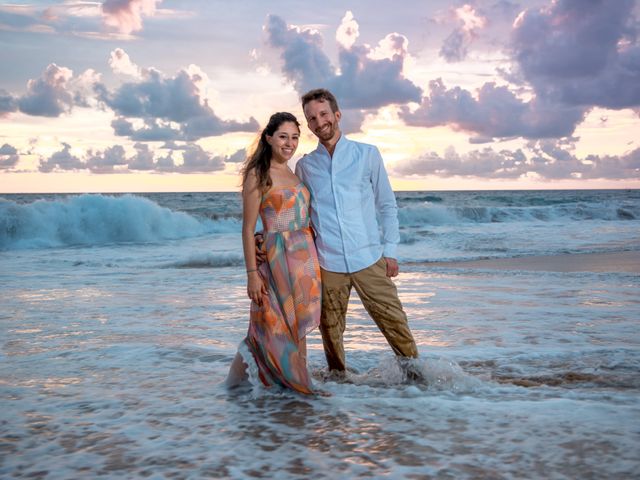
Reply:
x=326 y=134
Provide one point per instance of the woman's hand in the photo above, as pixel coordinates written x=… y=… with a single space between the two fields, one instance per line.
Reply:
x=261 y=253
x=256 y=288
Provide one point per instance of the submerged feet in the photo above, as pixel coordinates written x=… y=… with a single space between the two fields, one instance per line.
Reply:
x=403 y=370
x=337 y=376
x=411 y=371
x=237 y=373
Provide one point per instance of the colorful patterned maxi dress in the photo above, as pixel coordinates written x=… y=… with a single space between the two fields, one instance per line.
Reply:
x=292 y=307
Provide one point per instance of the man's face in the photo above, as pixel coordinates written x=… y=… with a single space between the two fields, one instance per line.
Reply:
x=321 y=120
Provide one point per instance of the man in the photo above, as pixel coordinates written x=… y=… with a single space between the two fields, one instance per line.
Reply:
x=349 y=185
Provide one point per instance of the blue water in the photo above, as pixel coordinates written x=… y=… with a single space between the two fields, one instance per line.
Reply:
x=434 y=226
x=119 y=316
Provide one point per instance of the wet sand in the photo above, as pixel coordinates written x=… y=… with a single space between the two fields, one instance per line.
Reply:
x=627 y=262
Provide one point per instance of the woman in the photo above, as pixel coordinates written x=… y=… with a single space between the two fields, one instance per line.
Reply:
x=285 y=289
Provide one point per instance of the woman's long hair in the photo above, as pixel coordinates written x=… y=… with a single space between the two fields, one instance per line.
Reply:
x=260 y=159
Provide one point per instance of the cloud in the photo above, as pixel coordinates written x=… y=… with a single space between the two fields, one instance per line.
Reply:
x=305 y=64
x=171 y=145
x=348 y=31
x=569 y=56
x=454 y=48
x=352 y=120
x=8 y=103
x=122 y=127
x=7 y=149
x=494 y=111
x=237 y=157
x=8 y=161
x=485 y=163
x=456 y=45
x=62 y=160
x=95 y=161
x=79 y=19
x=49 y=95
x=120 y=62
x=152 y=130
x=166 y=164
x=114 y=159
x=195 y=159
x=82 y=87
x=8 y=156
x=105 y=161
x=172 y=108
x=143 y=159
x=362 y=80
x=126 y=15
x=547 y=159
x=553 y=162
x=18 y=17
x=56 y=92
x=175 y=99
x=580 y=53
x=72 y=9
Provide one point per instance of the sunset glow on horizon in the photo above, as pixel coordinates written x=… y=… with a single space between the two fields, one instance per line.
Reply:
x=158 y=95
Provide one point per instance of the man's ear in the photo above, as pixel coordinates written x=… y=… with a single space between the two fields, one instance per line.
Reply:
x=338 y=115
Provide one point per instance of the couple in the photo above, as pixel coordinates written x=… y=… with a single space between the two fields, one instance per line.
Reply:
x=337 y=189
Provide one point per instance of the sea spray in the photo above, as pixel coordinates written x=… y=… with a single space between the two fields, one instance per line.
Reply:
x=94 y=220
x=115 y=366
x=437 y=373
x=433 y=226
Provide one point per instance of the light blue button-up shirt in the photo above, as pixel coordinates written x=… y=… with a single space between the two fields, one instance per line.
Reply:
x=347 y=191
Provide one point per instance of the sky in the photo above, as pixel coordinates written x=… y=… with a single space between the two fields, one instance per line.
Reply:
x=159 y=95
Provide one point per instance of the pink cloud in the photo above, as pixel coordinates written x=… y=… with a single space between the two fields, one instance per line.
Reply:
x=126 y=15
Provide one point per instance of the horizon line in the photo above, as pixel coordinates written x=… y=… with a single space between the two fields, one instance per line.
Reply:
x=124 y=192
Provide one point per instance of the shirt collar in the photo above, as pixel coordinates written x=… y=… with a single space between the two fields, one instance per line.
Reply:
x=342 y=141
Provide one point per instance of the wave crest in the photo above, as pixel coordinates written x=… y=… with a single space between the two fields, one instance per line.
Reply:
x=207 y=260
x=94 y=219
x=438 y=214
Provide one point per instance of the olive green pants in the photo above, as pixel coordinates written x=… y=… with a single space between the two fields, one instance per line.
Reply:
x=379 y=297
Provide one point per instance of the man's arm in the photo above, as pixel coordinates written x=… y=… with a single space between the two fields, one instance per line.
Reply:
x=387 y=210
x=300 y=173
x=298 y=170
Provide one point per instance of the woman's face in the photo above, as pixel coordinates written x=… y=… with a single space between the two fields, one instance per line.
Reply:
x=284 y=142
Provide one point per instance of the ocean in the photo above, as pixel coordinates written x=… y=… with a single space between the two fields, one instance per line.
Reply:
x=120 y=315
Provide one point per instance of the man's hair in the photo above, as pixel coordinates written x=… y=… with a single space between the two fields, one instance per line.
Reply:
x=321 y=95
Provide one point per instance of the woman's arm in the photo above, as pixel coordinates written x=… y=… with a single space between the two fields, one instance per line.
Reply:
x=251 y=197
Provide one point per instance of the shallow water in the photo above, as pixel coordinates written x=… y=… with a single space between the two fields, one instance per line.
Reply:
x=119 y=317
x=113 y=367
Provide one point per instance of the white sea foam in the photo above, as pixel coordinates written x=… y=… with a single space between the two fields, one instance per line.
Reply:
x=207 y=260
x=447 y=226
x=95 y=220
x=441 y=214
x=113 y=366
